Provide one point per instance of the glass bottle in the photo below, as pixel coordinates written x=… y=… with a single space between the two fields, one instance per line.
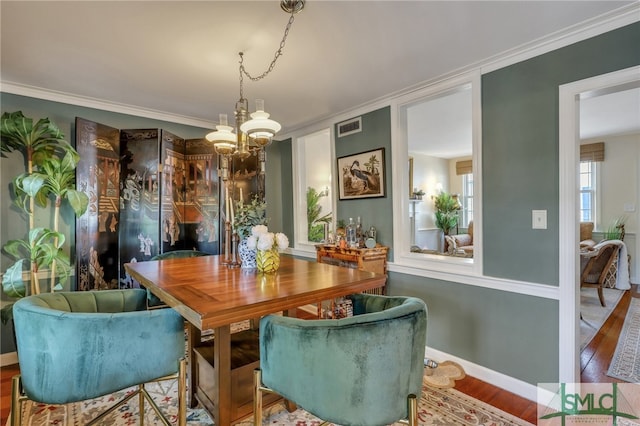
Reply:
x=359 y=235
x=351 y=233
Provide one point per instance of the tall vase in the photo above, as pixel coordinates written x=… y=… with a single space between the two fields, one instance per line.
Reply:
x=247 y=255
x=268 y=261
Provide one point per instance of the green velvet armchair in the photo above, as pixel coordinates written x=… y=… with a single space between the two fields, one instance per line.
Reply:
x=74 y=346
x=362 y=370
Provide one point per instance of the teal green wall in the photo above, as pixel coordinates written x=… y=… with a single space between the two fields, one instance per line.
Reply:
x=511 y=333
x=520 y=150
x=375 y=134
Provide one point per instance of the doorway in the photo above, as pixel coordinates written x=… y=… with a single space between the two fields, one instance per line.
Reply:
x=570 y=96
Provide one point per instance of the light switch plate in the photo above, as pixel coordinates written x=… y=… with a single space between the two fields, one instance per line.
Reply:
x=539 y=219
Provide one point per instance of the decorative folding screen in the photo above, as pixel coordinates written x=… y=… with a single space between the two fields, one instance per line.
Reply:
x=150 y=192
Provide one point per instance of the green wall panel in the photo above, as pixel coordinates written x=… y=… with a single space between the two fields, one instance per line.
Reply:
x=375 y=134
x=520 y=150
x=487 y=327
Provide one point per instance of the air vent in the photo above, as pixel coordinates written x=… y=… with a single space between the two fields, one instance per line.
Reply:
x=349 y=127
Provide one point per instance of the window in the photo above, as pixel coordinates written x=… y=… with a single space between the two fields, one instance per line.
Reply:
x=467 y=199
x=314 y=200
x=438 y=127
x=587 y=202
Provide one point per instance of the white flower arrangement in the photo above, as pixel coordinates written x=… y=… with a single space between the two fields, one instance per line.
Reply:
x=262 y=239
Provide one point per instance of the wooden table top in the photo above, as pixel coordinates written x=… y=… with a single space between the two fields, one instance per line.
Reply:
x=208 y=294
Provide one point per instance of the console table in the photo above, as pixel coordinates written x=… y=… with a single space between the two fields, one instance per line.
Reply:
x=365 y=259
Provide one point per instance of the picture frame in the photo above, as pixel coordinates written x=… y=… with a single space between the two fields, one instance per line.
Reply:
x=361 y=175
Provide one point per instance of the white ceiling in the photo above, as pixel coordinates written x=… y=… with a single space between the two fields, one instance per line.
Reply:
x=616 y=113
x=441 y=127
x=181 y=58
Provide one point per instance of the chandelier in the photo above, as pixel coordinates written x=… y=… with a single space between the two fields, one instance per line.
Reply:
x=255 y=131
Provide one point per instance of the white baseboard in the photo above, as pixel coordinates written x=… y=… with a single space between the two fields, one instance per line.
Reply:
x=9 y=358
x=508 y=383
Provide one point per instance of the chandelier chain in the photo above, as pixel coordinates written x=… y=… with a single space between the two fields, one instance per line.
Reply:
x=278 y=53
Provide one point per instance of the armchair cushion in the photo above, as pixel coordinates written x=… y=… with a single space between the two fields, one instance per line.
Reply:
x=463 y=240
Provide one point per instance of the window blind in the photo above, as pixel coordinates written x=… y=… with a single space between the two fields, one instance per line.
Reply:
x=592 y=152
x=464 y=167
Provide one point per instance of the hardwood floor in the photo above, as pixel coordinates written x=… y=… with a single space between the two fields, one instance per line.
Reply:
x=594 y=361
x=6 y=373
x=596 y=356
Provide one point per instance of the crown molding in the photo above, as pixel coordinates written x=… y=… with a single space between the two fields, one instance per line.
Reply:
x=617 y=18
x=71 y=99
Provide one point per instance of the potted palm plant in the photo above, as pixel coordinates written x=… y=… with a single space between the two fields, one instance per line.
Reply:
x=315 y=222
x=446 y=212
x=50 y=163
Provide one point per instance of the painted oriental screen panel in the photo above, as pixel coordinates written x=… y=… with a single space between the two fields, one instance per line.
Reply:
x=98 y=176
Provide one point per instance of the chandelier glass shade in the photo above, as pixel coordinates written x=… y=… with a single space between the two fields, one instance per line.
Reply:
x=260 y=128
x=223 y=138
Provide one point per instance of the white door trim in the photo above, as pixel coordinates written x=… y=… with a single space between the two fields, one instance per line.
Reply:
x=569 y=138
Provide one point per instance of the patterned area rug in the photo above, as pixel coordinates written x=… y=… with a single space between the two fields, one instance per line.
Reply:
x=437 y=407
x=593 y=313
x=165 y=394
x=626 y=359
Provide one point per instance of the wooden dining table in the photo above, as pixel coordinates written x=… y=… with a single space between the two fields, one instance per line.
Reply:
x=212 y=296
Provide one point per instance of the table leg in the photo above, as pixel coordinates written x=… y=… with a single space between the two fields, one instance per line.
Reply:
x=193 y=339
x=222 y=376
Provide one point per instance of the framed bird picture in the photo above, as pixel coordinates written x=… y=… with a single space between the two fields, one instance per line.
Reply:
x=361 y=175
